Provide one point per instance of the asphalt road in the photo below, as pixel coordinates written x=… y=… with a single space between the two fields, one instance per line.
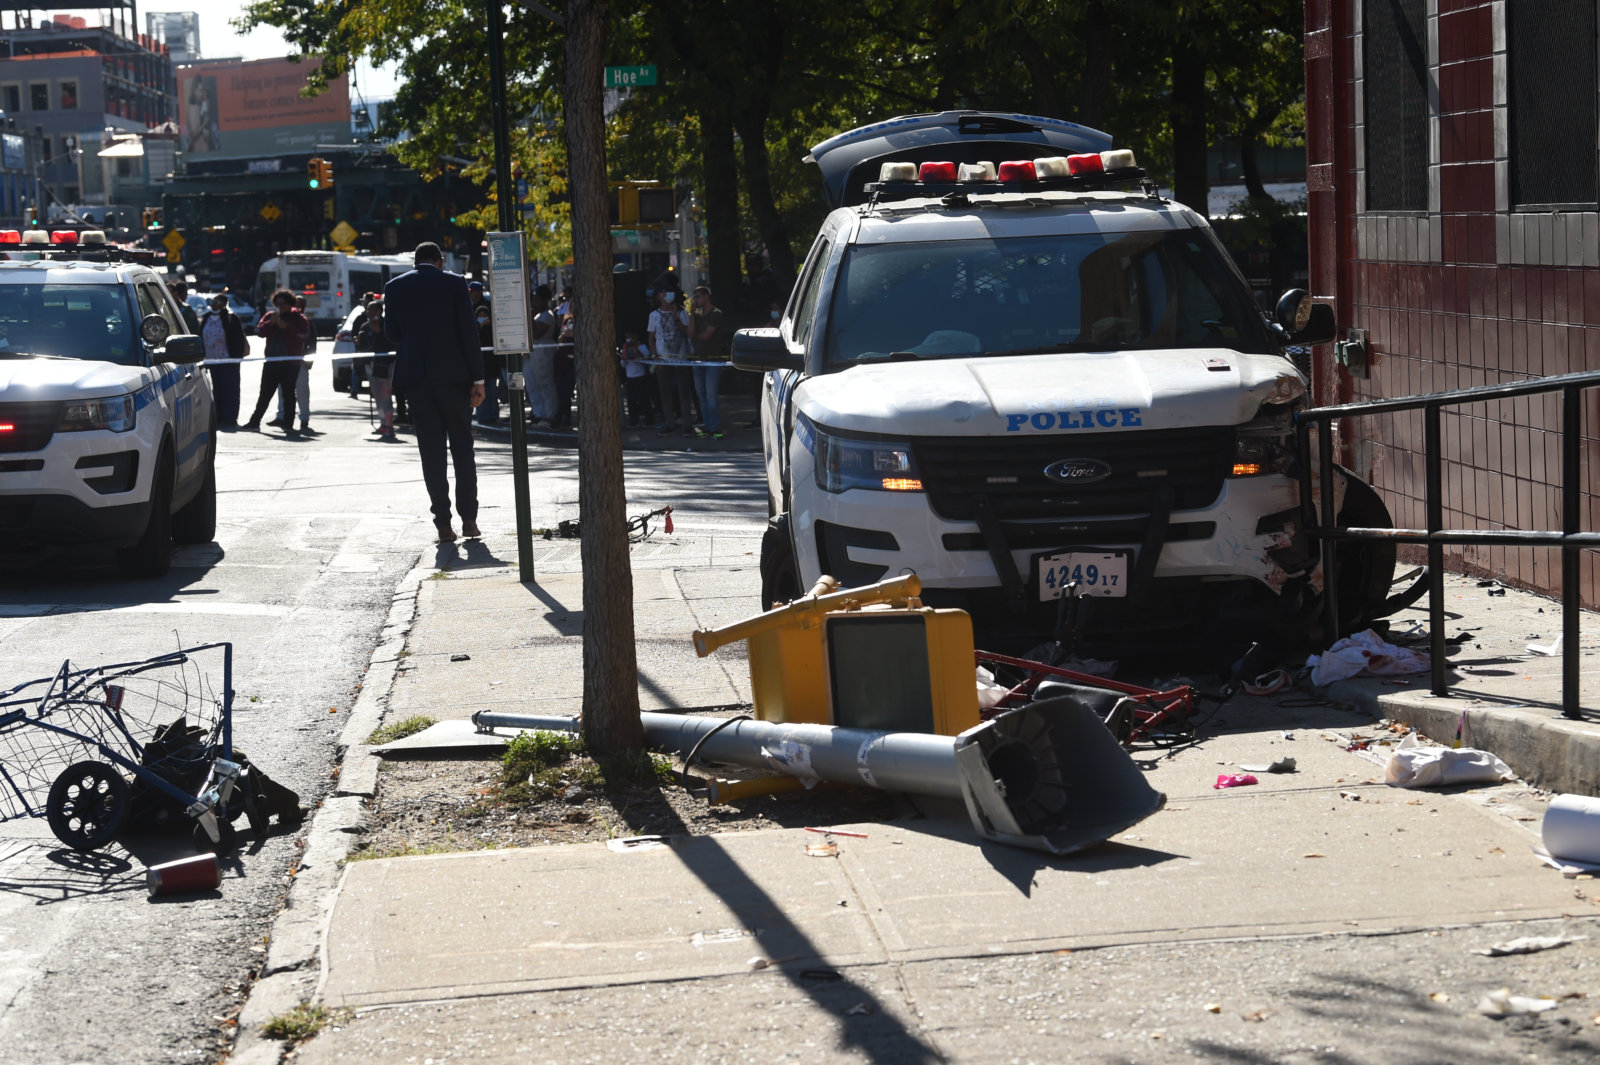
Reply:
x=313 y=535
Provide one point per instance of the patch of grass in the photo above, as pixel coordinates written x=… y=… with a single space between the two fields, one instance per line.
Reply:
x=539 y=765
x=636 y=768
x=301 y=1023
x=407 y=851
x=440 y=575
x=535 y=753
x=399 y=730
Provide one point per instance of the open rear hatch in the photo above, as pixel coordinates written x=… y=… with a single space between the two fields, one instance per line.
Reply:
x=851 y=160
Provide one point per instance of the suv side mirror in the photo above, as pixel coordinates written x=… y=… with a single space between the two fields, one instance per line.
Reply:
x=184 y=348
x=764 y=349
x=1305 y=321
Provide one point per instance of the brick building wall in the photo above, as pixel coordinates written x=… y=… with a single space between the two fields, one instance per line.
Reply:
x=1468 y=256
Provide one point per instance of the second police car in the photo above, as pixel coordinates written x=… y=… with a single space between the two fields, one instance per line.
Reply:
x=1013 y=368
x=107 y=429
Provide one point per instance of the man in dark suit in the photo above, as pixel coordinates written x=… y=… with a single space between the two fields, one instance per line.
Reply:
x=439 y=369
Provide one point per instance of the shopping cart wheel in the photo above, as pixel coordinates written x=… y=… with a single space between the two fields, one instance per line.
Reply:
x=86 y=805
x=228 y=837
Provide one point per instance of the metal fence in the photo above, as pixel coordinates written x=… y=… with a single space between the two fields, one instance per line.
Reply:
x=1570 y=539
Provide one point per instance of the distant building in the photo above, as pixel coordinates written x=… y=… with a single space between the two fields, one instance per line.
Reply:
x=178 y=30
x=78 y=87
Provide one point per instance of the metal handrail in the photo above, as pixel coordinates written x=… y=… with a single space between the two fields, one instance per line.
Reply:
x=1571 y=539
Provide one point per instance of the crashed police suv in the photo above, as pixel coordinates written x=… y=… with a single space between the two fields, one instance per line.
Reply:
x=1012 y=367
x=107 y=429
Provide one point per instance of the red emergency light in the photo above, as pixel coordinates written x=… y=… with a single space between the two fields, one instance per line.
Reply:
x=63 y=236
x=10 y=236
x=1087 y=163
x=936 y=172
x=1018 y=170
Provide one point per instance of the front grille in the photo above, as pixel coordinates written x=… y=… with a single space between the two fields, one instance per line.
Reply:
x=1190 y=463
x=32 y=425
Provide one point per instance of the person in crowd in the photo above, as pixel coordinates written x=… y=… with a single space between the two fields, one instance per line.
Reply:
x=540 y=365
x=705 y=334
x=225 y=343
x=286 y=331
x=372 y=338
x=494 y=364
x=636 y=380
x=669 y=339
x=566 y=374
x=180 y=292
x=302 y=381
x=428 y=317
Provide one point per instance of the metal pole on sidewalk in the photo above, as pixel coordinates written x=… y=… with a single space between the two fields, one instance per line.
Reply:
x=505 y=193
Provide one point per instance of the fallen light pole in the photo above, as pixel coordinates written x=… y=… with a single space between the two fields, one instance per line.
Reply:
x=1048 y=776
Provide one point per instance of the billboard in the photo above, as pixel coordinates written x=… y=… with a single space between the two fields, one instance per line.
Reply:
x=238 y=109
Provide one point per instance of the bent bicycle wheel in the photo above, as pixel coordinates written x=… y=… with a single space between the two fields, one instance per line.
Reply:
x=86 y=805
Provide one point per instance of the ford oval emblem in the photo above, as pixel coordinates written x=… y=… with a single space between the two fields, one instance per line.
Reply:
x=1077 y=471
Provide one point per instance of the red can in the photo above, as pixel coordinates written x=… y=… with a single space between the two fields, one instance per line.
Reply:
x=184 y=876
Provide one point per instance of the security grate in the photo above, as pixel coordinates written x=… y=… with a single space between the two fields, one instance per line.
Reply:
x=1552 y=115
x=1395 y=87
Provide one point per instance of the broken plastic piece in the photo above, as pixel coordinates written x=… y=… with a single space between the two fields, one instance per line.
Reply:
x=1282 y=765
x=1548 y=650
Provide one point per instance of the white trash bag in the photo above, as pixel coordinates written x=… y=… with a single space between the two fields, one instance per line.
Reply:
x=1414 y=766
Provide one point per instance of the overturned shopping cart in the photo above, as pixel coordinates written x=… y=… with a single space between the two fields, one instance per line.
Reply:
x=89 y=748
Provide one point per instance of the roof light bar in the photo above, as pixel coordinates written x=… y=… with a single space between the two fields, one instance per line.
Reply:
x=1087 y=169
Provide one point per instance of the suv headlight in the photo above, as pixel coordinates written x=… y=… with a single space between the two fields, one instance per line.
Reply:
x=114 y=415
x=1265 y=444
x=844 y=462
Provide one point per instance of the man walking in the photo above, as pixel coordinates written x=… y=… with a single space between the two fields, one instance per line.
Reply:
x=286 y=331
x=439 y=369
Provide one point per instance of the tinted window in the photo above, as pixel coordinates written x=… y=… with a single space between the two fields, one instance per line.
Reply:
x=1395 y=67
x=308 y=280
x=92 y=322
x=1020 y=295
x=805 y=308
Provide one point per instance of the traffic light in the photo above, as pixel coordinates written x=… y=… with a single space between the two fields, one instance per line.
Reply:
x=319 y=173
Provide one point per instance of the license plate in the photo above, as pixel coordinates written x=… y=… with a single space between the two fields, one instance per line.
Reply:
x=1103 y=573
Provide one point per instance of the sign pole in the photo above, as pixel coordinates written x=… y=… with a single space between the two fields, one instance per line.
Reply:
x=505 y=194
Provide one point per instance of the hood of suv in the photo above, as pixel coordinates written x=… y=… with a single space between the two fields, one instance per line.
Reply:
x=1041 y=395
x=27 y=378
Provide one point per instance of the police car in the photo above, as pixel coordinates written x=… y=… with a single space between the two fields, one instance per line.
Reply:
x=1012 y=367
x=107 y=428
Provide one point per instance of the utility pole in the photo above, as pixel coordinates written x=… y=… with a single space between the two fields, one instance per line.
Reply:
x=610 y=665
x=505 y=193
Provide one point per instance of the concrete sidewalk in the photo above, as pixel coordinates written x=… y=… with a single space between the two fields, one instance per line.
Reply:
x=597 y=952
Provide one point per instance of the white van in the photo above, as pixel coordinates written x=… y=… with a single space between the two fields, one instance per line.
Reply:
x=331 y=281
x=1012 y=367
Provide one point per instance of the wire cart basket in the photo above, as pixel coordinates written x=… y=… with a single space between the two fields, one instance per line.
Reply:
x=87 y=748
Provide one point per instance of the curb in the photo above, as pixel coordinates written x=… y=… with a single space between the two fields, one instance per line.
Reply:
x=287 y=976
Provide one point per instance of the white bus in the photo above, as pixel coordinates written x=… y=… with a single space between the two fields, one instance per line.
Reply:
x=331 y=281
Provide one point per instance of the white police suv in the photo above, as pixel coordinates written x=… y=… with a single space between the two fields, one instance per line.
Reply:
x=1013 y=368
x=107 y=429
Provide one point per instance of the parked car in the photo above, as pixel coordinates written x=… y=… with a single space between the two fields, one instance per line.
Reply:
x=108 y=434
x=349 y=372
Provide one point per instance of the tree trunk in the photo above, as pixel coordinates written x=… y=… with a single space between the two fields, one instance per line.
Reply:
x=721 y=192
x=1188 y=113
x=752 y=125
x=1250 y=164
x=610 y=668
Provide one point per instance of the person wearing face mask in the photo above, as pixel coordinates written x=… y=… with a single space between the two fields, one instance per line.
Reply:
x=776 y=312
x=669 y=339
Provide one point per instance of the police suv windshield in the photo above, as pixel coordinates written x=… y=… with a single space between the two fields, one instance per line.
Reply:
x=91 y=322
x=1026 y=295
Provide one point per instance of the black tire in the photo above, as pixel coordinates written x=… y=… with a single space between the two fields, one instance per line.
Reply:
x=196 y=521
x=780 y=575
x=341 y=380
x=87 y=804
x=1366 y=570
x=152 y=555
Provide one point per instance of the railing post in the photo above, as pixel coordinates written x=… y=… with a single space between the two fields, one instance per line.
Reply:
x=1330 y=547
x=1434 y=503
x=1571 y=462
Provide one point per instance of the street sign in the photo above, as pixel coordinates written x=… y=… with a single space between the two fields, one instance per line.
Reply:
x=271 y=212
x=343 y=233
x=630 y=77
x=508 y=285
x=173 y=256
x=174 y=242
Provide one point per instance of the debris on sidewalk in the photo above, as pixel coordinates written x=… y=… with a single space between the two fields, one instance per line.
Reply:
x=185 y=876
x=1282 y=765
x=1413 y=765
x=1570 y=834
x=1503 y=1003
x=1547 y=650
x=1234 y=780
x=1528 y=945
x=1365 y=652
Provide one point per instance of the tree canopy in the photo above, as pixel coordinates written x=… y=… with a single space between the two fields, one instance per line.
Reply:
x=747 y=86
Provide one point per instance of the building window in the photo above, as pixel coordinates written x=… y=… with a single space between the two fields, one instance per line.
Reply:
x=39 y=95
x=1394 y=86
x=1551 y=102
x=47 y=145
x=69 y=95
x=11 y=98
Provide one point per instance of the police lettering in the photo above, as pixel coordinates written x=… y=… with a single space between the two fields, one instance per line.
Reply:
x=1104 y=418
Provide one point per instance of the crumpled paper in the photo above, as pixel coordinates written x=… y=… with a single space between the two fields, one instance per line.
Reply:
x=1365 y=652
x=1414 y=766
